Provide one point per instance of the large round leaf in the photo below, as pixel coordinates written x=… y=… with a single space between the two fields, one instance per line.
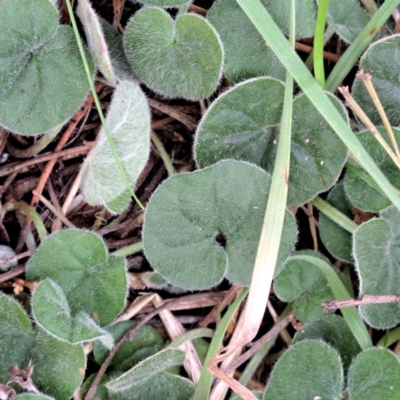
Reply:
x=360 y=193
x=42 y=79
x=181 y=58
x=191 y=216
x=376 y=251
x=244 y=124
x=246 y=53
x=382 y=62
x=77 y=261
x=308 y=370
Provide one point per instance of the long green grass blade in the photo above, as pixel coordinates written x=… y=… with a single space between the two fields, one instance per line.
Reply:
x=351 y=316
x=318 y=52
x=278 y=43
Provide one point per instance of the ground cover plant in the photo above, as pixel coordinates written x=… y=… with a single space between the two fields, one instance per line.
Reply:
x=221 y=206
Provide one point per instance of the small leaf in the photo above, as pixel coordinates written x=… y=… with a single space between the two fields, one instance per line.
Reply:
x=129 y=123
x=333 y=330
x=305 y=285
x=362 y=195
x=374 y=375
x=255 y=58
x=135 y=383
x=335 y=239
x=347 y=18
x=308 y=370
x=77 y=261
x=376 y=251
x=95 y=39
x=381 y=62
x=42 y=79
x=51 y=311
x=181 y=58
x=146 y=342
x=217 y=216
x=244 y=123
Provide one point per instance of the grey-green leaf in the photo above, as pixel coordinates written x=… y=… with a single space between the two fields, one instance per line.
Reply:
x=333 y=330
x=92 y=281
x=308 y=370
x=243 y=123
x=381 y=62
x=376 y=252
x=305 y=285
x=181 y=58
x=246 y=53
x=335 y=239
x=374 y=375
x=32 y=396
x=203 y=226
x=362 y=195
x=42 y=79
x=347 y=18
x=129 y=123
x=52 y=312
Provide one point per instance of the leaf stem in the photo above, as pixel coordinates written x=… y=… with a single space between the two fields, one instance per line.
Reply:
x=128 y=250
x=318 y=51
x=98 y=105
x=163 y=154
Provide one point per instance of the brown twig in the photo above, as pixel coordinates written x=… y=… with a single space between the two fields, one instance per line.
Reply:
x=365 y=300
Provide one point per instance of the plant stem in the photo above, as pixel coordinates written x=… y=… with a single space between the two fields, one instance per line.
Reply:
x=98 y=105
x=191 y=335
x=389 y=338
x=163 y=154
x=351 y=55
x=319 y=71
x=128 y=250
x=285 y=53
x=327 y=36
x=335 y=215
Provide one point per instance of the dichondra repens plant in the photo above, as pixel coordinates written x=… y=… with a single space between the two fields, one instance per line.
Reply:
x=269 y=137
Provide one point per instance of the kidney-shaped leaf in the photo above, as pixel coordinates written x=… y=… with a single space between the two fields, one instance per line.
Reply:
x=77 y=261
x=304 y=284
x=308 y=370
x=246 y=54
x=148 y=381
x=42 y=79
x=129 y=123
x=204 y=225
x=360 y=193
x=374 y=375
x=381 y=61
x=51 y=311
x=244 y=124
x=58 y=366
x=181 y=58
x=377 y=255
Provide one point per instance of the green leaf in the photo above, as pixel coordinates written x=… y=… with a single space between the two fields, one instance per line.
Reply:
x=337 y=240
x=255 y=58
x=259 y=395
x=374 y=375
x=381 y=62
x=224 y=202
x=129 y=123
x=165 y=3
x=32 y=396
x=135 y=383
x=58 y=366
x=376 y=251
x=308 y=370
x=42 y=79
x=243 y=124
x=95 y=39
x=146 y=342
x=333 y=330
x=347 y=18
x=362 y=195
x=181 y=58
x=304 y=284
x=52 y=312
x=77 y=261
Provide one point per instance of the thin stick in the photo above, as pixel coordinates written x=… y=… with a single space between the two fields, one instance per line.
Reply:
x=365 y=300
x=313 y=229
x=366 y=78
x=352 y=104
